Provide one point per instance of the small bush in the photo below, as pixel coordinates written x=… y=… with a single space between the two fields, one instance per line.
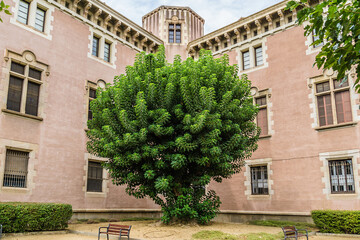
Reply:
x=337 y=221
x=30 y=217
x=213 y=235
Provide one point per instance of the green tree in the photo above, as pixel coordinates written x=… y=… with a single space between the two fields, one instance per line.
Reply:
x=336 y=23
x=169 y=129
x=4 y=8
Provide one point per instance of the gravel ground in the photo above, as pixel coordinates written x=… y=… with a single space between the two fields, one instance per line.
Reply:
x=151 y=230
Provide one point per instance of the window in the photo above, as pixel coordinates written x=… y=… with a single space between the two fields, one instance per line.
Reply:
x=92 y=96
x=24 y=78
x=23 y=13
x=259 y=180
x=341 y=176
x=107 y=51
x=245 y=37
x=258 y=56
x=333 y=102
x=261 y=119
x=108 y=28
x=235 y=41
x=171 y=33
x=246 y=60
x=290 y=19
x=144 y=49
x=16 y=169
x=78 y=11
x=266 y=28
x=95 y=46
x=89 y=17
x=216 y=48
x=178 y=33
x=40 y=19
x=95 y=177
x=67 y=4
x=278 y=24
x=225 y=45
x=315 y=38
x=136 y=44
x=255 y=33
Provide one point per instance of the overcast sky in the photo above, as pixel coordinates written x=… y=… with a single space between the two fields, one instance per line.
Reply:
x=217 y=13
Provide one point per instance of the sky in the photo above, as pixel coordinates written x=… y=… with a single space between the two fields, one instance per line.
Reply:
x=217 y=13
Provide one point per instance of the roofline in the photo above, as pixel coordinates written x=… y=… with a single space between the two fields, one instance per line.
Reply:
x=238 y=22
x=179 y=7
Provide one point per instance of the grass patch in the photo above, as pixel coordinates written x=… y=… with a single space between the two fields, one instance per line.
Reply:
x=214 y=235
x=275 y=223
x=262 y=236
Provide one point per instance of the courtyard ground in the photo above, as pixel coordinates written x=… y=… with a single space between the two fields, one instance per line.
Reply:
x=151 y=230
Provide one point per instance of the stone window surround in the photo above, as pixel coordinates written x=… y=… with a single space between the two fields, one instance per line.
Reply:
x=90 y=85
x=102 y=39
x=267 y=93
x=250 y=46
x=33 y=150
x=325 y=157
x=105 y=182
x=174 y=20
x=26 y=58
x=33 y=5
x=247 y=173
x=354 y=99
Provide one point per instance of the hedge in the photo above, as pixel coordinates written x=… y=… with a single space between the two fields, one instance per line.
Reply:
x=30 y=217
x=337 y=221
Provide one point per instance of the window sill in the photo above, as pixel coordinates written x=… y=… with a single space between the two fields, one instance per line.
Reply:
x=343 y=195
x=260 y=197
x=95 y=194
x=265 y=136
x=14 y=190
x=22 y=114
x=348 y=124
x=31 y=27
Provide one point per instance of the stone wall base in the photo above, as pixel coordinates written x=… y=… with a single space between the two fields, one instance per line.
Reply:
x=223 y=216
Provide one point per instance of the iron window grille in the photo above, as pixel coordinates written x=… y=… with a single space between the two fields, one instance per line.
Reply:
x=95 y=177
x=259 y=180
x=341 y=176
x=16 y=169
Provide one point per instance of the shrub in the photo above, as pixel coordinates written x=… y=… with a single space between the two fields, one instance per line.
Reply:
x=337 y=221
x=29 y=217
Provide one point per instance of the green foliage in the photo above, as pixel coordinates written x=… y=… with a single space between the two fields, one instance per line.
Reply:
x=4 y=8
x=337 y=221
x=337 y=24
x=169 y=129
x=276 y=223
x=213 y=235
x=29 y=217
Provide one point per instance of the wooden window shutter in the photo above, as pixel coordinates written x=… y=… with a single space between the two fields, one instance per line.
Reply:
x=343 y=107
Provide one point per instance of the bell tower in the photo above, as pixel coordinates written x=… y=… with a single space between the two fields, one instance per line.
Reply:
x=176 y=26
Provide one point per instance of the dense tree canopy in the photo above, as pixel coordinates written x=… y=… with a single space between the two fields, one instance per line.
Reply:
x=4 y=8
x=337 y=25
x=169 y=129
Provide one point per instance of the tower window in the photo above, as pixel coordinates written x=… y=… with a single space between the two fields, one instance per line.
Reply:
x=171 y=33
x=178 y=33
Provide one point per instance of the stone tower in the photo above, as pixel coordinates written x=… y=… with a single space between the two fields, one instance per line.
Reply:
x=176 y=26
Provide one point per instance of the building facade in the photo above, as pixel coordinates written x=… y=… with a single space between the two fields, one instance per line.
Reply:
x=56 y=53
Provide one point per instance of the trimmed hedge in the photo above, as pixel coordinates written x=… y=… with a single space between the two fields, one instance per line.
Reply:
x=30 y=217
x=337 y=221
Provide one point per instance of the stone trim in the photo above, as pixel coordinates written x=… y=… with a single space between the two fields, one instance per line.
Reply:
x=33 y=150
x=105 y=182
x=247 y=182
x=49 y=18
x=339 y=155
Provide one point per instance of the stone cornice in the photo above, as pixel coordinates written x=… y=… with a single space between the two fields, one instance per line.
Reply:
x=112 y=15
x=174 y=8
x=241 y=23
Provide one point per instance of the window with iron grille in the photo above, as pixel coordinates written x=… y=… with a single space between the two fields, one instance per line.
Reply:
x=258 y=56
x=107 y=52
x=333 y=102
x=246 y=60
x=40 y=19
x=95 y=177
x=261 y=118
x=95 y=46
x=341 y=176
x=23 y=13
x=92 y=96
x=16 y=169
x=171 y=33
x=24 y=79
x=259 y=180
x=178 y=33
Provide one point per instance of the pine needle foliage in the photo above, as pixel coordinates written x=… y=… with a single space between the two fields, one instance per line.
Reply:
x=170 y=129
